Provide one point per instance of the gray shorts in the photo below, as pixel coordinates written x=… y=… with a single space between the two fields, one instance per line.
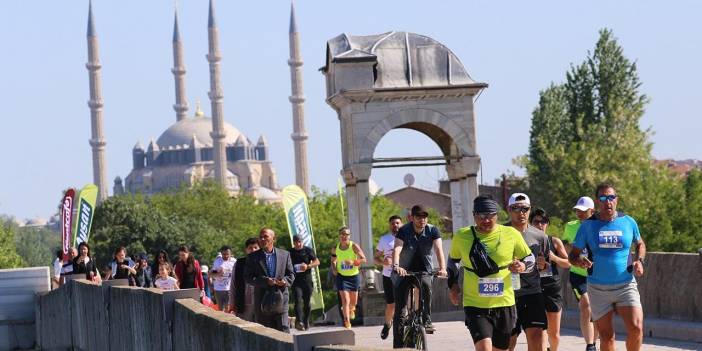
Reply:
x=604 y=298
x=222 y=297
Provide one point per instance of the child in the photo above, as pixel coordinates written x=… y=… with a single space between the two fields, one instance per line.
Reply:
x=164 y=279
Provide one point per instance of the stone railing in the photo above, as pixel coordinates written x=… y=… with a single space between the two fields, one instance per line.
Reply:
x=81 y=315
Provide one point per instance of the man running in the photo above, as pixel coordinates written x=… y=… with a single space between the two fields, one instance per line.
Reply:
x=412 y=252
x=609 y=237
x=531 y=307
x=222 y=269
x=488 y=301
x=383 y=255
x=578 y=276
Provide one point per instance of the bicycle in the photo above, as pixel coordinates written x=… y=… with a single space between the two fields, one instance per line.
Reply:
x=413 y=333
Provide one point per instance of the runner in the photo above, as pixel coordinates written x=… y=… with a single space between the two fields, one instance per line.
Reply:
x=610 y=236
x=221 y=273
x=413 y=246
x=550 y=280
x=531 y=308
x=488 y=301
x=584 y=208
x=383 y=255
x=346 y=258
x=303 y=260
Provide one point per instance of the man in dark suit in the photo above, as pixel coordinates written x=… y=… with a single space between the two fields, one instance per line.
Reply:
x=270 y=269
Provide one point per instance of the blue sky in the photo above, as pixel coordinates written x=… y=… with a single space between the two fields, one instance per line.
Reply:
x=518 y=48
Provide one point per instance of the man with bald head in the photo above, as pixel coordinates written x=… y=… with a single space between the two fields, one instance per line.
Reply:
x=270 y=271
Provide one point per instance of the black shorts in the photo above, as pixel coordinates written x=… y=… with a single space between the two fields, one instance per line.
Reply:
x=494 y=323
x=531 y=313
x=388 y=290
x=579 y=284
x=553 y=299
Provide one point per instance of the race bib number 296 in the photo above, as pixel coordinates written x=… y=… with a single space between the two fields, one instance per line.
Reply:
x=491 y=287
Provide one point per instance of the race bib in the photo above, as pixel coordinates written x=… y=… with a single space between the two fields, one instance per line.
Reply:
x=346 y=267
x=491 y=287
x=610 y=239
x=546 y=272
x=226 y=273
x=298 y=268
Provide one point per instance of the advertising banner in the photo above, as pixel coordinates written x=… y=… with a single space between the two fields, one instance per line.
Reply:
x=86 y=209
x=67 y=221
x=299 y=223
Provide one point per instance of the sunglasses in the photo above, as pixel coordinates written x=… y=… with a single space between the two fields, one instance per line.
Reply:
x=540 y=221
x=604 y=198
x=520 y=209
x=485 y=216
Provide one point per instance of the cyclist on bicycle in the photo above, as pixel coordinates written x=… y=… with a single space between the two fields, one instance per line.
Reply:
x=413 y=245
x=488 y=301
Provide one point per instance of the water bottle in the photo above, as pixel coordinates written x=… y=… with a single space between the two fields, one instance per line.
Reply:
x=516 y=282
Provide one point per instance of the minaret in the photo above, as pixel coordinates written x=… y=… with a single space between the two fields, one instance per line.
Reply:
x=97 y=140
x=181 y=104
x=297 y=99
x=218 y=134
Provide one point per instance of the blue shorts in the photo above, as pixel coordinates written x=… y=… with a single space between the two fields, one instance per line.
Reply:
x=348 y=283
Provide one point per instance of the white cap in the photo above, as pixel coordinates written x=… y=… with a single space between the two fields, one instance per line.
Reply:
x=584 y=203
x=513 y=200
x=204 y=268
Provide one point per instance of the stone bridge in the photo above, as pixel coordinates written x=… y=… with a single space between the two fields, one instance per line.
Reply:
x=84 y=316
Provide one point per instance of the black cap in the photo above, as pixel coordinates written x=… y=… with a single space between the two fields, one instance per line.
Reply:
x=419 y=210
x=296 y=238
x=143 y=256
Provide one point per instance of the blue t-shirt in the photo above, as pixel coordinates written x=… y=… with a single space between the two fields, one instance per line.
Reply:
x=610 y=244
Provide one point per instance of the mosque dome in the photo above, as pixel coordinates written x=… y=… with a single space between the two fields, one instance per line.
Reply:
x=181 y=133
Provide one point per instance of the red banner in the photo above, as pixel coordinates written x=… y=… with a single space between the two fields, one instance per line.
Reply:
x=67 y=221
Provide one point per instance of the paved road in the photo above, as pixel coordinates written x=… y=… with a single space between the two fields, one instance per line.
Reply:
x=454 y=336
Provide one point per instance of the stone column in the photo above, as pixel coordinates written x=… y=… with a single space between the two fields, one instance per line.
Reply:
x=464 y=188
x=359 y=219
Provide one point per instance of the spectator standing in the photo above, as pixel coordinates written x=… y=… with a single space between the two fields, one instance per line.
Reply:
x=122 y=267
x=221 y=274
x=271 y=273
x=67 y=267
x=188 y=271
x=303 y=260
x=143 y=276
x=164 y=280
x=240 y=293
x=84 y=264
x=161 y=258
x=57 y=265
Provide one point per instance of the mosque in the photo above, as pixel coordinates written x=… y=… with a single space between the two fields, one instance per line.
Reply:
x=197 y=147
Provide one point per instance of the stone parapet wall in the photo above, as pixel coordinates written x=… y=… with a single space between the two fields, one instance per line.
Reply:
x=670 y=288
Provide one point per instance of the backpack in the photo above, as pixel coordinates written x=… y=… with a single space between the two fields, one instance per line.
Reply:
x=483 y=265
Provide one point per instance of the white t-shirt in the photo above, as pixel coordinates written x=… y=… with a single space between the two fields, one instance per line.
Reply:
x=168 y=283
x=58 y=264
x=386 y=244
x=222 y=283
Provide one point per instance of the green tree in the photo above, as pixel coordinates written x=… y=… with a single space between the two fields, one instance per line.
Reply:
x=37 y=246
x=587 y=130
x=9 y=257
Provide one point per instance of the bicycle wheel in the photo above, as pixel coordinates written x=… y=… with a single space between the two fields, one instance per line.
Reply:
x=420 y=338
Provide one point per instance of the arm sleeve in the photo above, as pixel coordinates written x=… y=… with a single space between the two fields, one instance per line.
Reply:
x=529 y=262
x=198 y=276
x=435 y=234
x=313 y=256
x=289 y=272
